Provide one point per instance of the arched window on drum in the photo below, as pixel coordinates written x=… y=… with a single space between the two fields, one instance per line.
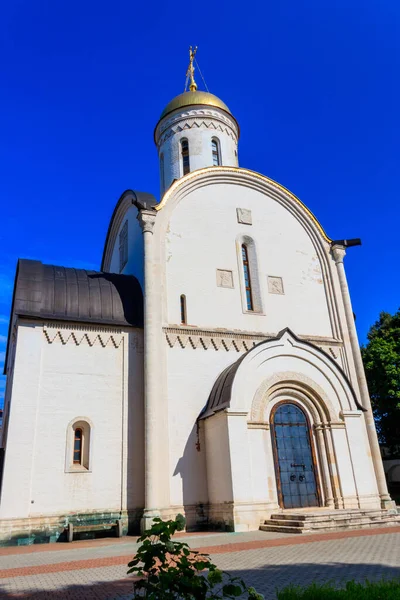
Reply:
x=216 y=152
x=185 y=156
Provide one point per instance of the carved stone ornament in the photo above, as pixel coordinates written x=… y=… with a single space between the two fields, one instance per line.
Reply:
x=147 y=218
x=78 y=337
x=224 y=278
x=275 y=285
x=244 y=216
x=338 y=253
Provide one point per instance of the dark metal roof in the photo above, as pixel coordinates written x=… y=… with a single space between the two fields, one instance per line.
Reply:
x=67 y=294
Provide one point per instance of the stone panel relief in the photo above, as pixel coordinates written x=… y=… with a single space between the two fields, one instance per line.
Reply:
x=275 y=285
x=224 y=278
x=244 y=216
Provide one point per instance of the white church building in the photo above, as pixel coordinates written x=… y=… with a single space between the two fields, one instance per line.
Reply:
x=210 y=368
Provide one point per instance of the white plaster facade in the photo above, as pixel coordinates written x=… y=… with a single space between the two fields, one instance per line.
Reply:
x=181 y=411
x=62 y=375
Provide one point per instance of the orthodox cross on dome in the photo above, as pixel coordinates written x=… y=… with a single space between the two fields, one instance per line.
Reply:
x=190 y=70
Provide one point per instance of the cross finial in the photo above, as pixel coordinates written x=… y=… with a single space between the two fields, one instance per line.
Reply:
x=190 y=69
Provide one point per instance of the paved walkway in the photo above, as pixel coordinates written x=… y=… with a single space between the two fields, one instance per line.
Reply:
x=96 y=569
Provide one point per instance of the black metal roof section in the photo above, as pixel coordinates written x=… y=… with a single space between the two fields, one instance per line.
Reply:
x=67 y=294
x=220 y=396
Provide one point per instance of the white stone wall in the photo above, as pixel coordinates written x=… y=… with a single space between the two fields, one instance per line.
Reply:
x=191 y=374
x=204 y=235
x=199 y=126
x=64 y=373
x=200 y=230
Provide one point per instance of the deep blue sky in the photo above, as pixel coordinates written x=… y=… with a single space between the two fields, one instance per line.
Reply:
x=314 y=85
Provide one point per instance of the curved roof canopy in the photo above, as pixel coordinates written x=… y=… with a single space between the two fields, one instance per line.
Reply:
x=220 y=396
x=68 y=294
x=194 y=98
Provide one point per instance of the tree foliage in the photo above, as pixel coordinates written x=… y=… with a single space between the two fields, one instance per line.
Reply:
x=169 y=570
x=381 y=357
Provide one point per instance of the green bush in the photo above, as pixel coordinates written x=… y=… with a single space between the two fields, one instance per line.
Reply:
x=381 y=590
x=170 y=570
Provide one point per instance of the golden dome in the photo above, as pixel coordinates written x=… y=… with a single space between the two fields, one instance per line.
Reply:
x=192 y=98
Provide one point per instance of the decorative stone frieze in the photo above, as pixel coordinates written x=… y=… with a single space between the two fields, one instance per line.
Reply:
x=210 y=340
x=230 y=340
x=196 y=118
x=75 y=336
x=197 y=123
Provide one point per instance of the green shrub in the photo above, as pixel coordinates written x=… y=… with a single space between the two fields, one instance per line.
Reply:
x=170 y=570
x=380 y=590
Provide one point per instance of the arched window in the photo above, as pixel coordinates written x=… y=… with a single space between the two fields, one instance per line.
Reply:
x=247 y=279
x=78 y=454
x=183 y=310
x=78 y=442
x=185 y=156
x=216 y=155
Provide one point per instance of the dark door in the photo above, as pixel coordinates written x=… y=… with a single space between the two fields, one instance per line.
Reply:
x=294 y=463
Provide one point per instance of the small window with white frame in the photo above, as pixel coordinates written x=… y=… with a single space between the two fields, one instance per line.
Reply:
x=123 y=246
x=78 y=455
x=216 y=152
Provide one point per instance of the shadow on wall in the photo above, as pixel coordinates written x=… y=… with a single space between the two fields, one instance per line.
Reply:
x=266 y=579
x=135 y=450
x=192 y=469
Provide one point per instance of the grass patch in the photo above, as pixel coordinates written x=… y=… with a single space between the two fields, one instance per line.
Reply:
x=379 y=590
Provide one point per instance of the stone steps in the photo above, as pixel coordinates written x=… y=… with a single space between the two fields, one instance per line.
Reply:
x=339 y=520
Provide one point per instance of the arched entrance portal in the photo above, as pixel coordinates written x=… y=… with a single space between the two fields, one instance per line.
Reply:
x=294 y=458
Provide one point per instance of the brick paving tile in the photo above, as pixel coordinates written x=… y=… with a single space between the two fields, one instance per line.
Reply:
x=89 y=563
x=93 y=550
x=101 y=542
x=267 y=568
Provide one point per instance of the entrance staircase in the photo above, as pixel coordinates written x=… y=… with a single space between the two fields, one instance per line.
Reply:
x=298 y=521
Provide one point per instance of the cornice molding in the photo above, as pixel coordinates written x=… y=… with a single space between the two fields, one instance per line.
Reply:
x=205 y=339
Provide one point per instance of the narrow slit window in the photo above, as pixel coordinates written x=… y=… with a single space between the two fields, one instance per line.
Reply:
x=123 y=246
x=185 y=157
x=78 y=440
x=247 y=280
x=183 y=309
x=162 y=171
x=216 y=158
